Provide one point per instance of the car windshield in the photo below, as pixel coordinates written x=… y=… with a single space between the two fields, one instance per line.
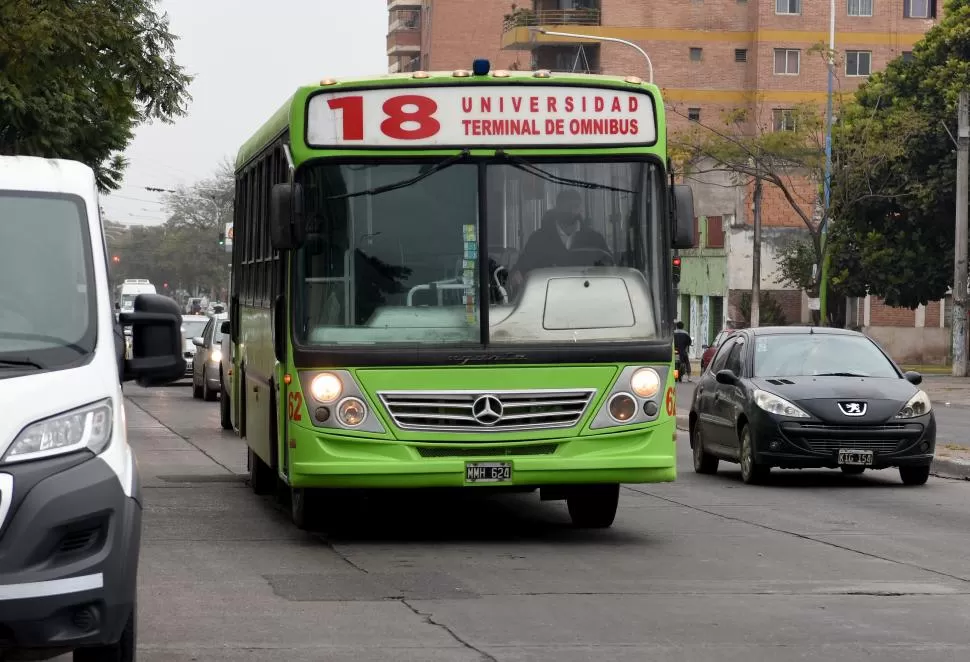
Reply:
x=48 y=314
x=800 y=355
x=193 y=328
x=394 y=253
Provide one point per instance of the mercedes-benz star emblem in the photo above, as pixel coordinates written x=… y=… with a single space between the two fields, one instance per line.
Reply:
x=853 y=408
x=487 y=409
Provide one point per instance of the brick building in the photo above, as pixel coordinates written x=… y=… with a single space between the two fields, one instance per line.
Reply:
x=708 y=56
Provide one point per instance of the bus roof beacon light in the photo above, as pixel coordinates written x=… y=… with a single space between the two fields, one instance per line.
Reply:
x=481 y=67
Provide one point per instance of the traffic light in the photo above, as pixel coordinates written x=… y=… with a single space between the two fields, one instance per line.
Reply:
x=222 y=238
x=676 y=270
x=165 y=285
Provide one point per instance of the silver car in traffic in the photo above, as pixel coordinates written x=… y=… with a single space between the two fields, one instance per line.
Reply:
x=207 y=360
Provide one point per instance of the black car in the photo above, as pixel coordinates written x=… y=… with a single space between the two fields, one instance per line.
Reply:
x=810 y=397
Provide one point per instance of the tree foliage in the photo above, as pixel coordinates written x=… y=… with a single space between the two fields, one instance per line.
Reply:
x=770 y=312
x=78 y=76
x=901 y=231
x=184 y=251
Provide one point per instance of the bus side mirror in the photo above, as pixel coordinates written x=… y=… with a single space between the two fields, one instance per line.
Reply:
x=226 y=328
x=156 y=341
x=287 y=228
x=683 y=199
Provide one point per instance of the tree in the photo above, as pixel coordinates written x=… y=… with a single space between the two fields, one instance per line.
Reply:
x=76 y=79
x=902 y=231
x=770 y=311
x=184 y=251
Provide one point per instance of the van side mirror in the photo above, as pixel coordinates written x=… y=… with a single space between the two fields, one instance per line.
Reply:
x=683 y=201
x=156 y=341
x=287 y=226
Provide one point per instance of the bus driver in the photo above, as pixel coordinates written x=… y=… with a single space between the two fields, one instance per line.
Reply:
x=562 y=231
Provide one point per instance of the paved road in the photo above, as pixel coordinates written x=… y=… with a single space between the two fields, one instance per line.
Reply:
x=813 y=566
x=952 y=422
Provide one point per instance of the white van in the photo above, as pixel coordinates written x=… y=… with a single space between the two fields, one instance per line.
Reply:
x=70 y=503
x=129 y=291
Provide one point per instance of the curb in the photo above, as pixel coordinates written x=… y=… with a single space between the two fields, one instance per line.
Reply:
x=942 y=467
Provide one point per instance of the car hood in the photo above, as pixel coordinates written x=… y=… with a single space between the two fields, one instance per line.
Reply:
x=828 y=398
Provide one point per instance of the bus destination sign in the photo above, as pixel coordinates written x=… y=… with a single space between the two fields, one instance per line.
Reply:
x=493 y=115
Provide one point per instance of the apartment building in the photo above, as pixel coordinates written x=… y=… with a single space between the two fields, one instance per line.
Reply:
x=709 y=57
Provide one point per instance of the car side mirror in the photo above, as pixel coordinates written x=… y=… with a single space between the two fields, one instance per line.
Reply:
x=226 y=328
x=683 y=217
x=913 y=377
x=726 y=377
x=198 y=341
x=287 y=227
x=156 y=341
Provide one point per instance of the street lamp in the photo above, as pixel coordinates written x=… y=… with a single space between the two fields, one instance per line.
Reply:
x=614 y=40
x=823 y=283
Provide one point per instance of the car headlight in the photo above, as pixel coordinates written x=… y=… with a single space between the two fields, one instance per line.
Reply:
x=216 y=356
x=87 y=427
x=918 y=405
x=645 y=382
x=772 y=404
x=326 y=387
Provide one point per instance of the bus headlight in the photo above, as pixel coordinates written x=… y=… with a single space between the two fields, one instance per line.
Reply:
x=351 y=412
x=216 y=356
x=88 y=427
x=622 y=407
x=645 y=382
x=326 y=387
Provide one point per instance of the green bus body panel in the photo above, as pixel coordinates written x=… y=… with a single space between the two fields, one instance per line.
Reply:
x=292 y=116
x=309 y=456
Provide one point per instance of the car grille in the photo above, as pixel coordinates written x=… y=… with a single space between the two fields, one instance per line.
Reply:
x=456 y=410
x=822 y=438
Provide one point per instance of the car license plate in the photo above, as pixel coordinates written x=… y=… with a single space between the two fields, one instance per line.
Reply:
x=488 y=472
x=856 y=458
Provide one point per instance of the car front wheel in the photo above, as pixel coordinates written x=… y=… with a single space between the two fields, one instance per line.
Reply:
x=704 y=462
x=752 y=473
x=914 y=475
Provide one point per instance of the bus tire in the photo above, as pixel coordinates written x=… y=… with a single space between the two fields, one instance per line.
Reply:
x=261 y=476
x=306 y=508
x=593 y=506
x=225 y=415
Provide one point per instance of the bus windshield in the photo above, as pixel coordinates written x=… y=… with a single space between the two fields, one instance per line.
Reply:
x=573 y=252
x=48 y=320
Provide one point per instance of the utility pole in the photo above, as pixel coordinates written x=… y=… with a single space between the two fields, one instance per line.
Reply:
x=960 y=242
x=755 y=314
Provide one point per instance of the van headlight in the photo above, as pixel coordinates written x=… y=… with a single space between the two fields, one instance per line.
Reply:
x=87 y=427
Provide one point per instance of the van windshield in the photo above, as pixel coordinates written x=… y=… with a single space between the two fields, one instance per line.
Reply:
x=48 y=308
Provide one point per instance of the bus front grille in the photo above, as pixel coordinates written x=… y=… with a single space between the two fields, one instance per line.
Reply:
x=486 y=411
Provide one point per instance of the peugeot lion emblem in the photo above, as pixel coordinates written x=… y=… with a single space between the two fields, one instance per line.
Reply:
x=853 y=408
x=487 y=409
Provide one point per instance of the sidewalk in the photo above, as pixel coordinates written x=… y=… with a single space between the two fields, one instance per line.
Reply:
x=952 y=459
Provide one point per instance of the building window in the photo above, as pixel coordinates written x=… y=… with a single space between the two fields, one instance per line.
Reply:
x=858 y=63
x=784 y=119
x=740 y=54
x=695 y=54
x=786 y=61
x=860 y=8
x=788 y=6
x=907 y=56
x=919 y=8
x=694 y=114
x=715 y=232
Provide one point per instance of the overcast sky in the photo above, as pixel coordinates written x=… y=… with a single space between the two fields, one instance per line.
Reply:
x=247 y=58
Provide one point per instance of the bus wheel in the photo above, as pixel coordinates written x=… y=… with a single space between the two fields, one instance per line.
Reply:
x=593 y=506
x=261 y=477
x=306 y=508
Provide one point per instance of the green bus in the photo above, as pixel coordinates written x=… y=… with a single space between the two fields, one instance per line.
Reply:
x=457 y=280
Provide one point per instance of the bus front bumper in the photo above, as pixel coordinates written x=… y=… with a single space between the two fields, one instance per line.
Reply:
x=638 y=456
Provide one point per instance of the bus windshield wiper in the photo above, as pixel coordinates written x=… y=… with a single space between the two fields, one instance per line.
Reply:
x=26 y=363
x=533 y=169
x=377 y=190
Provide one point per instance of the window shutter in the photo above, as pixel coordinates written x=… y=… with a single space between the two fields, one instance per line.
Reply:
x=715 y=232
x=906 y=8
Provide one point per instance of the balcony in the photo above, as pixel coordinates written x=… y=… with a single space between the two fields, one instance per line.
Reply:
x=403 y=4
x=518 y=27
x=404 y=63
x=580 y=59
x=403 y=32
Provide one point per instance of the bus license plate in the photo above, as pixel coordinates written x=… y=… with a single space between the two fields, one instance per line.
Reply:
x=855 y=458
x=488 y=472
